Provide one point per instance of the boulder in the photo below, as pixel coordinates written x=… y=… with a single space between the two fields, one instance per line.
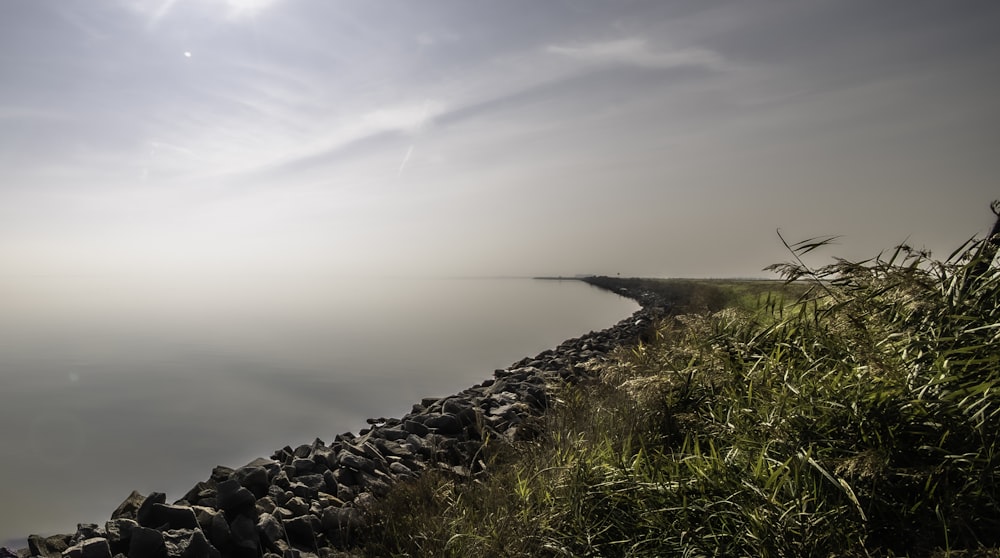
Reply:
x=356 y=462
x=270 y=529
x=128 y=508
x=341 y=524
x=234 y=499
x=96 y=547
x=245 y=540
x=302 y=531
x=188 y=543
x=119 y=534
x=147 y=543
x=144 y=514
x=49 y=547
x=253 y=478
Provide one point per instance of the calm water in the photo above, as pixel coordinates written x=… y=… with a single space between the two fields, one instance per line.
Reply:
x=109 y=386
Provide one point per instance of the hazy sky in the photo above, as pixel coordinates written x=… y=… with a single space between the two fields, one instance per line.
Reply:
x=507 y=137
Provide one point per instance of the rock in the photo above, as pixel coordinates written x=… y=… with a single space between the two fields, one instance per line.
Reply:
x=234 y=499
x=219 y=533
x=144 y=513
x=356 y=462
x=86 y=531
x=303 y=465
x=199 y=493
x=298 y=506
x=270 y=529
x=245 y=540
x=253 y=478
x=96 y=547
x=147 y=543
x=341 y=524
x=393 y=433
x=444 y=424
x=119 y=533
x=187 y=543
x=174 y=517
x=329 y=482
x=199 y=547
x=414 y=427
x=48 y=547
x=128 y=508
x=401 y=470
x=315 y=482
x=220 y=473
x=302 y=531
x=303 y=491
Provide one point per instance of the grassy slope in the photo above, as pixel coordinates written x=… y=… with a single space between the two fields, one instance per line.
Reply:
x=858 y=418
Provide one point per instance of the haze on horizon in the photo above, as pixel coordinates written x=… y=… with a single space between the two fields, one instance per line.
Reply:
x=447 y=137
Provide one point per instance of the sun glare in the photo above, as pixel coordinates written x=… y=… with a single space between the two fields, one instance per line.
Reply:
x=248 y=7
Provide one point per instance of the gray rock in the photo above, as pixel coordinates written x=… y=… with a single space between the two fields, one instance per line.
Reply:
x=401 y=470
x=128 y=508
x=243 y=533
x=220 y=473
x=144 y=514
x=188 y=543
x=119 y=534
x=199 y=547
x=147 y=543
x=86 y=531
x=393 y=433
x=303 y=491
x=199 y=492
x=298 y=506
x=346 y=493
x=303 y=465
x=234 y=499
x=329 y=482
x=265 y=505
x=219 y=533
x=341 y=524
x=270 y=529
x=171 y=516
x=414 y=427
x=444 y=424
x=356 y=462
x=96 y=547
x=302 y=531
x=49 y=547
x=312 y=481
x=253 y=478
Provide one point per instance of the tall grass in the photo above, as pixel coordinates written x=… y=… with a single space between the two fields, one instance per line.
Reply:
x=855 y=414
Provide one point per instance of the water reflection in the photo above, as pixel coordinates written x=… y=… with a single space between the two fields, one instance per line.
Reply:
x=110 y=386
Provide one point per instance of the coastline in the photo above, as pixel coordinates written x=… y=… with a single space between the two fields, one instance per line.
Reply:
x=311 y=497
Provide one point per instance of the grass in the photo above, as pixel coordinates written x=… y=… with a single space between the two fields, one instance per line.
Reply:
x=852 y=412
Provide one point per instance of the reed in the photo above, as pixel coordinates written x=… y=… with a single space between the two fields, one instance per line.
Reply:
x=854 y=411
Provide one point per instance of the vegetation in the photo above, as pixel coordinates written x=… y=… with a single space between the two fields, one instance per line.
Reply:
x=853 y=412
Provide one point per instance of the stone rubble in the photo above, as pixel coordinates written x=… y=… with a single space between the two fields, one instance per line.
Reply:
x=309 y=501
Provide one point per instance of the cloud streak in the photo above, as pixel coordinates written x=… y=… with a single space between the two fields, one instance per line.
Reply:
x=634 y=51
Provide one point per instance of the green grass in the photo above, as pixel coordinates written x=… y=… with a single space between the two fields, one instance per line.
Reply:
x=854 y=412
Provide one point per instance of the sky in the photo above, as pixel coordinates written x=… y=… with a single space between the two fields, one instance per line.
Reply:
x=466 y=137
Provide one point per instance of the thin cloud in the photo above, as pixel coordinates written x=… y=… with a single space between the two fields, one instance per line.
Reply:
x=156 y=10
x=636 y=52
x=403 y=118
x=406 y=158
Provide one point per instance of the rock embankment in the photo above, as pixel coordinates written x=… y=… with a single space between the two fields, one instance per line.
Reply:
x=310 y=500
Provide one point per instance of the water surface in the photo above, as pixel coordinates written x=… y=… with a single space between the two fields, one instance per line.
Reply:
x=110 y=385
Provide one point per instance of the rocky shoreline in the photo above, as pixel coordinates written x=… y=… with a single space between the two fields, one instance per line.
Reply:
x=309 y=500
